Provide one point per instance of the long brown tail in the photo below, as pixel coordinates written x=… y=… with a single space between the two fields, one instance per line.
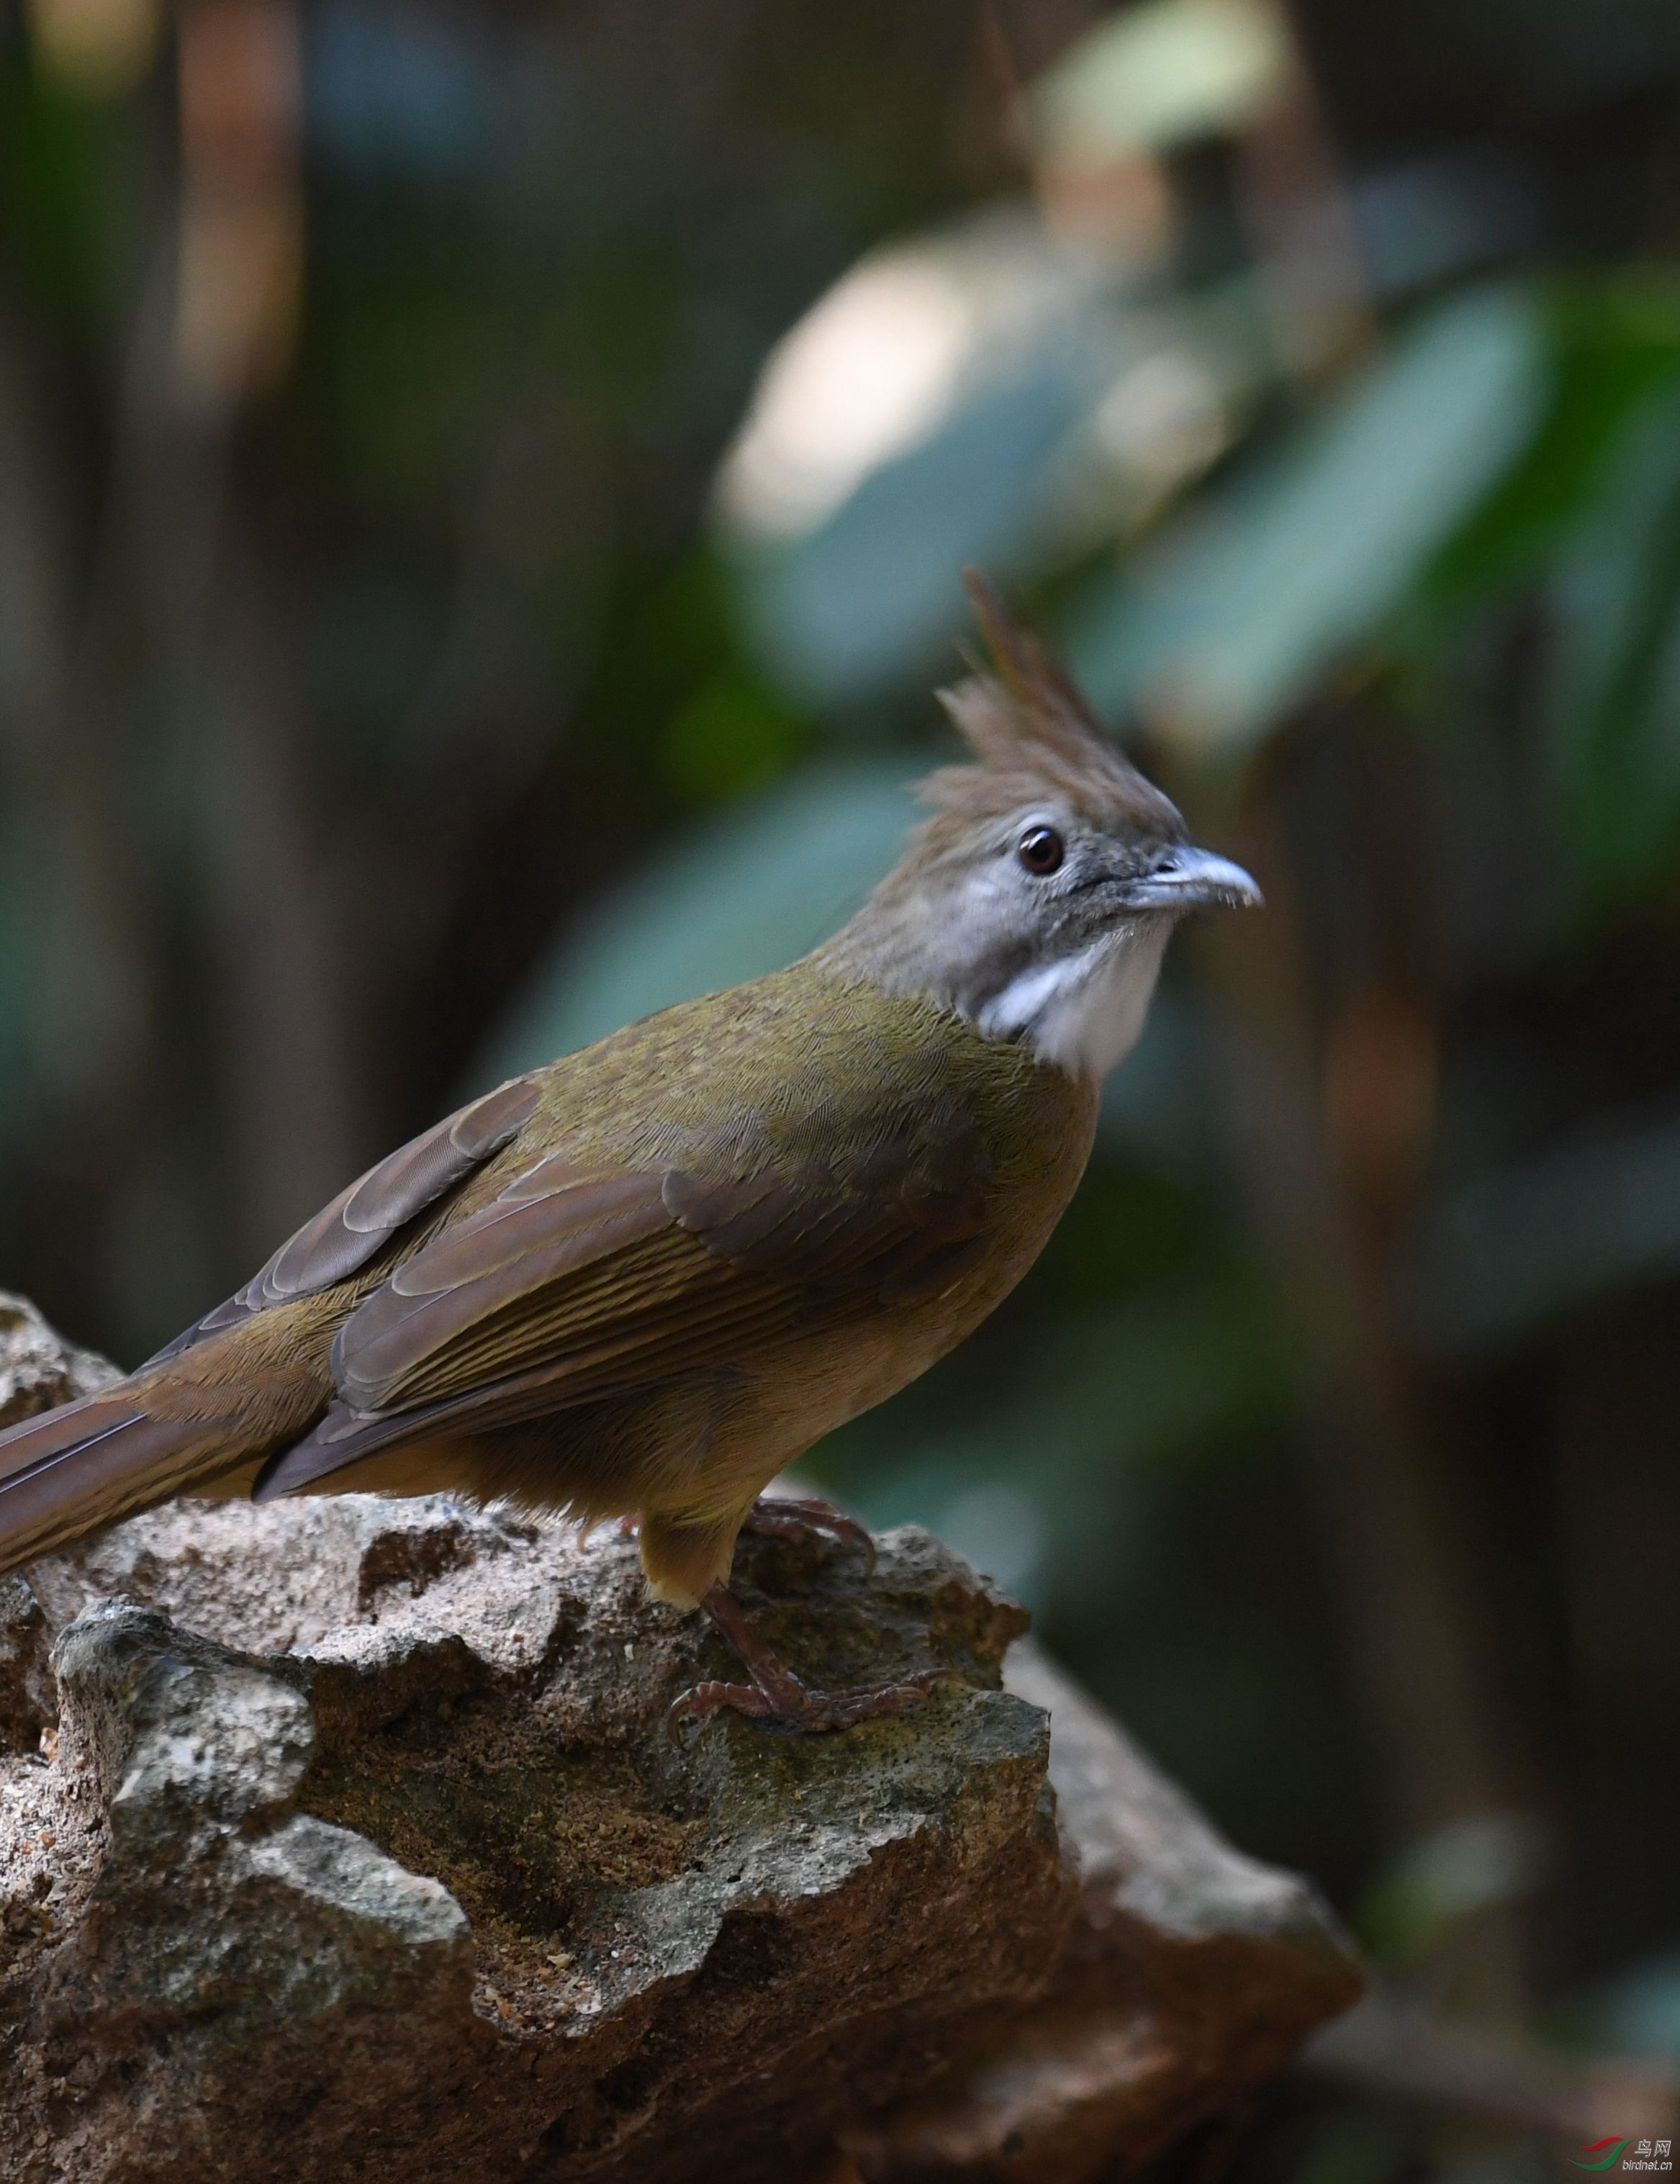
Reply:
x=70 y=1471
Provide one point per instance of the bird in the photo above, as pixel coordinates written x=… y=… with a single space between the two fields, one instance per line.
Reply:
x=641 y=1281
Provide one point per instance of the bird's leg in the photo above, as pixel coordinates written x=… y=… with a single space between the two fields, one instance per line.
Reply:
x=795 y=1517
x=775 y=1694
x=789 y=1517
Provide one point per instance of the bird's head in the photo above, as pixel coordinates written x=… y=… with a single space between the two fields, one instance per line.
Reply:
x=1038 y=900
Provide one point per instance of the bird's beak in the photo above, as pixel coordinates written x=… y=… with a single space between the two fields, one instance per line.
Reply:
x=1189 y=879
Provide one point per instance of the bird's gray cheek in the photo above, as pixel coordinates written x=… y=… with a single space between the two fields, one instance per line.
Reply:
x=981 y=920
x=989 y=893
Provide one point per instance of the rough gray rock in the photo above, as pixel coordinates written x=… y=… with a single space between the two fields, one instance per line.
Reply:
x=27 y=1704
x=38 y=1369
x=359 y=1850
x=1191 y=1975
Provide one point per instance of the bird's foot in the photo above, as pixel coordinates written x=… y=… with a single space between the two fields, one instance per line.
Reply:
x=775 y=1694
x=796 y=1517
x=793 y=1706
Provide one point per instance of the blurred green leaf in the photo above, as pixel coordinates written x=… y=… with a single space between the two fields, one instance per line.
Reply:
x=1615 y=706
x=908 y=423
x=1268 y=588
x=63 y=216
x=742 y=895
x=866 y=599
x=730 y=735
x=1616 y=341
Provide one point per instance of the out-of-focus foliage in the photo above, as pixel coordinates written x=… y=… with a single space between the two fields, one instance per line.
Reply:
x=1165 y=73
x=1203 y=640
x=1616 y=725
x=913 y=423
x=516 y=608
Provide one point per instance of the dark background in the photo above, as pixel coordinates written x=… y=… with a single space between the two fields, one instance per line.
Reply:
x=422 y=650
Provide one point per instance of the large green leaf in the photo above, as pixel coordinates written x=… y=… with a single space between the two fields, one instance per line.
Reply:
x=1251 y=601
x=1615 y=686
x=872 y=594
x=1617 y=342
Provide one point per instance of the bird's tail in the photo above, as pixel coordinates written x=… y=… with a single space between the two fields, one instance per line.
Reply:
x=71 y=1470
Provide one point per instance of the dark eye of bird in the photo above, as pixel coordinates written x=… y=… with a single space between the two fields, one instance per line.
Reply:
x=1040 y=851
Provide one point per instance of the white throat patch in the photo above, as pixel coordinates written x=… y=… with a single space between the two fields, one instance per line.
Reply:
x=1083 y=1013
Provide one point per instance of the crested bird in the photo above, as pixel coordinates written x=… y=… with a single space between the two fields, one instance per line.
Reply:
x=641 y=1281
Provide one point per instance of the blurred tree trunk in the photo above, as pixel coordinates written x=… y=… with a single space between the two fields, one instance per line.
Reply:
x=1328 y=1112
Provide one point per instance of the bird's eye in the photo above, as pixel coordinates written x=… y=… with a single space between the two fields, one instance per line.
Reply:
x=1040 y=851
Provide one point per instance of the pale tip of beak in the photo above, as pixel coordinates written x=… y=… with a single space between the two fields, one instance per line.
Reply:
x=1197 y=879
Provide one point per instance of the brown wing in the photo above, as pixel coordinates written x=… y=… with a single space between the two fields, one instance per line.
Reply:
x=346 y=1235
x=572 y=1285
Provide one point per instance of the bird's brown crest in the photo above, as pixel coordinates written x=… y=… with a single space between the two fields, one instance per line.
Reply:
x=1032 y=736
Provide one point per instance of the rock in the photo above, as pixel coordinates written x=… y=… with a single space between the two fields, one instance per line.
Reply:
x=1192 y=1973
x=38 y=1369
x=27 y=1704
x=360 y=1848
x=223 y=1928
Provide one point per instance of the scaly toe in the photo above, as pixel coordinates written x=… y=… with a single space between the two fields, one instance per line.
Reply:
x=700 y=1701
x=809 y=1712
x=840 y=1709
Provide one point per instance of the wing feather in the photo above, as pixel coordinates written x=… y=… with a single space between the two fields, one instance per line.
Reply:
x=434 y=1308
x=350 y=1232
x=572 y=1286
